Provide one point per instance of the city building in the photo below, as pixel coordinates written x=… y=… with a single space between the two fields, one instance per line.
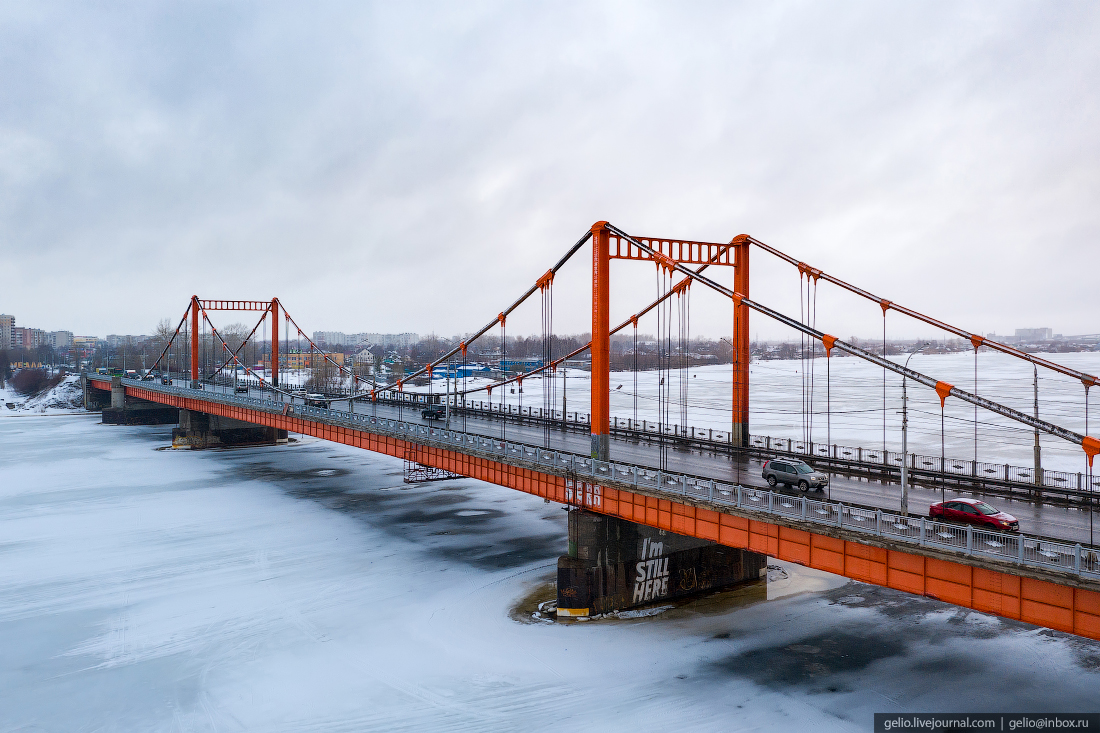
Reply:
x=330 y=338
x=60 y=339
x=7 y=332
x=114 y=340
x=304 y=360
x=29 y=338
x=386 y=340
x=364 y=361
x=1034 y=334
x=391 y=340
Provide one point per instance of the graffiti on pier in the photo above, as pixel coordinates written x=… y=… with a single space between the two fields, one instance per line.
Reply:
x=651 y=580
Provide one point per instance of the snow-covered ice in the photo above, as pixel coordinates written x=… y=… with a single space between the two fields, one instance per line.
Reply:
x=305 y=587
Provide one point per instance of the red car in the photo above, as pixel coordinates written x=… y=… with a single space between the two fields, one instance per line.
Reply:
x=973 y=511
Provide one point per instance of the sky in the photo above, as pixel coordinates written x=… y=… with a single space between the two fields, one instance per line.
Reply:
x=401 y=167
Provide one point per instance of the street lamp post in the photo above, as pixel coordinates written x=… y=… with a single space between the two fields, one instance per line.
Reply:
x=905 y=441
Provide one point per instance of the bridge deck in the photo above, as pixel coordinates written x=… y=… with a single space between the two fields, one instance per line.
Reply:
x=1035 y=581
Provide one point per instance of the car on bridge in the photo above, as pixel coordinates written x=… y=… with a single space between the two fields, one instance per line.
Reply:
x=434 y=412
x=793 y=472
x=973 y=511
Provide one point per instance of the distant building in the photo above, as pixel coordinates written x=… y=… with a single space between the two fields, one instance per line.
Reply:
x=1034 y=334
x=364 y=362
x=304 y=360
x=85 y=342
x=7 y=332
x=391 y=340
x=330 y=338
x=114 y=340
x=60 y=339
x=520 y=364
x=29 y=338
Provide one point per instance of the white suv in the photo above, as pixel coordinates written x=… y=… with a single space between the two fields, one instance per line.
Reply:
x=793 y=473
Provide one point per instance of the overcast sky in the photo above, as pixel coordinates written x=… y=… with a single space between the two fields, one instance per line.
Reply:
x=415 y=166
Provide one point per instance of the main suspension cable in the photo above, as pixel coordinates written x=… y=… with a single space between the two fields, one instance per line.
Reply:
x=996 y=346
x=169 y=344
x=553 y=270
x=1091 y=445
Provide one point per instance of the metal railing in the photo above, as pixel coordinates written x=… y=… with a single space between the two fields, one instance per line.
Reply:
x=889 y=461
x=975 y=471
x=1019 y=549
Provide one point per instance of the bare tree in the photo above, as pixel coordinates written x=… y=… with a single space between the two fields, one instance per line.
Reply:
x=324 y=376
x=234 y=335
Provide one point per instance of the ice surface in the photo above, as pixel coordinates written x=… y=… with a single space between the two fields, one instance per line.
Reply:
x=306 y=588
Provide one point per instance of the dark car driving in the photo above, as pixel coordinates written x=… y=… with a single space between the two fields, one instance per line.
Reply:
x=793 y=473
x=973 y=511
x=434 y=412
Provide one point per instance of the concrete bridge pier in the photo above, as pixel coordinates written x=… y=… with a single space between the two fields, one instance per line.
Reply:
x=614 y=564
x=118 y=409
x=94 y=399
x=199 y=430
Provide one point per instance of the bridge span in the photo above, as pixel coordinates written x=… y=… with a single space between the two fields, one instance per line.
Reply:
x=1039 y=580
x=696 y=488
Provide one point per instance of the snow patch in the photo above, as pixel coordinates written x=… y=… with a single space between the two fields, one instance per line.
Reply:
x=65 y=398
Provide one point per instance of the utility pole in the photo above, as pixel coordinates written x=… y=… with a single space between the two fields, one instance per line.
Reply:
x=1038 y=450
x=905 y=441
x=564 y=414
x=904 y=452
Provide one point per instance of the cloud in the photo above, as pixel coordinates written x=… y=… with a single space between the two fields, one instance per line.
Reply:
x=395 y=167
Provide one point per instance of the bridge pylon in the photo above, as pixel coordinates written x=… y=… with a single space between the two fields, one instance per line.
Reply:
x=275 y=342
x=607 y=246
x=194 y=342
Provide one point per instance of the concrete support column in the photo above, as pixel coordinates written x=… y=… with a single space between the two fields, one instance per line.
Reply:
x=199 y=430
x=133 y=411
x=118 y=394
x=614 y=564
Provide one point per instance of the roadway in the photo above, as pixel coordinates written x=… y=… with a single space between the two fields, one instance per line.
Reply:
x=1035 y=518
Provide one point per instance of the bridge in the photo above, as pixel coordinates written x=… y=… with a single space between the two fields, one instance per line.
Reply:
x=694 y=483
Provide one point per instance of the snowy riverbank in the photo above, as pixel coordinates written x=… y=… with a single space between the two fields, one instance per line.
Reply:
x=63 y=399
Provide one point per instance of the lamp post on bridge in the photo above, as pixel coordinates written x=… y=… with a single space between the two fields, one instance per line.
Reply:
x=1037 y=477
x=905 y=441
x=733 y=359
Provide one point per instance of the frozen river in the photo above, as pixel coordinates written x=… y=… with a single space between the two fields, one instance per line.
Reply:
x=305 y=587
